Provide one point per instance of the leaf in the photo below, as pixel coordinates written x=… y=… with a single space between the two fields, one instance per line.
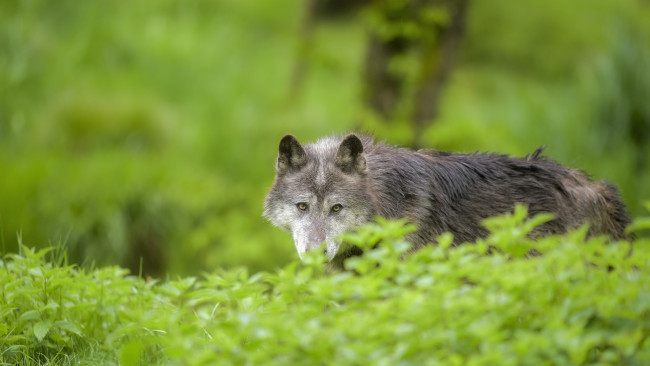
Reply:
x=68 y=326
x=638 y=225
x=41 y=328
x=29 y=315
x=36 y=271
x=445 y=241
x=537 y=220
x=51 y=305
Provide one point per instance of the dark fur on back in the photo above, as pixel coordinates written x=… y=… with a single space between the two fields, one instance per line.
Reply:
x=443 y=192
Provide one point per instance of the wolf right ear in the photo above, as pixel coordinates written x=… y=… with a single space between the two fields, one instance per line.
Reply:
x=291 y=154
x=349 y=157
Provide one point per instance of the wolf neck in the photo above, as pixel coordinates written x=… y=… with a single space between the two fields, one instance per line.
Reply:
x=396 y=179
x=412 y=185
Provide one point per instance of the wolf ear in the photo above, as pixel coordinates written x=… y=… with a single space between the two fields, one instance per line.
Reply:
x=291 y=154
x=349 y=157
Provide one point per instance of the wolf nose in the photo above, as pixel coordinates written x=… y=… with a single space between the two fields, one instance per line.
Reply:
x=316 y=240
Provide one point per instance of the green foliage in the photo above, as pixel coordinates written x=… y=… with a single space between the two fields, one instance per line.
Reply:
x=144 y=134
x=583 y=301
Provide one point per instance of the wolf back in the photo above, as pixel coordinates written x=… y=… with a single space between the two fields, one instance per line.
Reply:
x=324 y=189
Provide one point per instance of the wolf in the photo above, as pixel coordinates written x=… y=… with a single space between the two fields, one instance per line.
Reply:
x=339 y=183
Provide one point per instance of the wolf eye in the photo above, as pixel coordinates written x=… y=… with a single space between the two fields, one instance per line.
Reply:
x=337 y=207
x=302 y=206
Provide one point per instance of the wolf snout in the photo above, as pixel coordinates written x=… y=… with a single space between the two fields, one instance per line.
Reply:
x=316 y=238
x=314 y=242
x=315 y=246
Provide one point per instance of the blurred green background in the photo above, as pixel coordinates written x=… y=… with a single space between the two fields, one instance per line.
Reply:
x=149 y=128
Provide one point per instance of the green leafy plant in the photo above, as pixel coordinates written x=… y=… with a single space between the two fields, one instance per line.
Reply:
x=582 y=301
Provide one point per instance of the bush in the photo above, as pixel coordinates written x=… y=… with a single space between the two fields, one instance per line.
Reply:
x=583 y=301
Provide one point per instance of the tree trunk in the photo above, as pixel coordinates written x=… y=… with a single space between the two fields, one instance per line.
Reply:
x=383 y=88
x=437 y=64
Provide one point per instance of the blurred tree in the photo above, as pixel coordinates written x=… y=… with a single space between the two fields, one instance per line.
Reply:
x=428 y=32
x=624 y=95
x=313 y=11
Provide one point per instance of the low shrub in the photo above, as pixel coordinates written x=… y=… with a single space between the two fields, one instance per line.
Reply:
x=582 y=301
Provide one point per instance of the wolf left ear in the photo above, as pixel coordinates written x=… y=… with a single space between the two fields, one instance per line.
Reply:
x=349 y=157
x=291 y=155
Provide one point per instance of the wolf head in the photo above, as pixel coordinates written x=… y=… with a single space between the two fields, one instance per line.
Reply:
x=320 y=192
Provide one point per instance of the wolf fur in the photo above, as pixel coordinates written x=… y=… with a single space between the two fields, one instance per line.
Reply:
x=324 y=189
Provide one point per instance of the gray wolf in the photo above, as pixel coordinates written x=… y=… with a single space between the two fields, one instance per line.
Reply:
x=324 y=189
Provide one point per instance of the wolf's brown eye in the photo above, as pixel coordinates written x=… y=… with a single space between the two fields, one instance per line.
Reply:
x=337 y=208
x=302 y=206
